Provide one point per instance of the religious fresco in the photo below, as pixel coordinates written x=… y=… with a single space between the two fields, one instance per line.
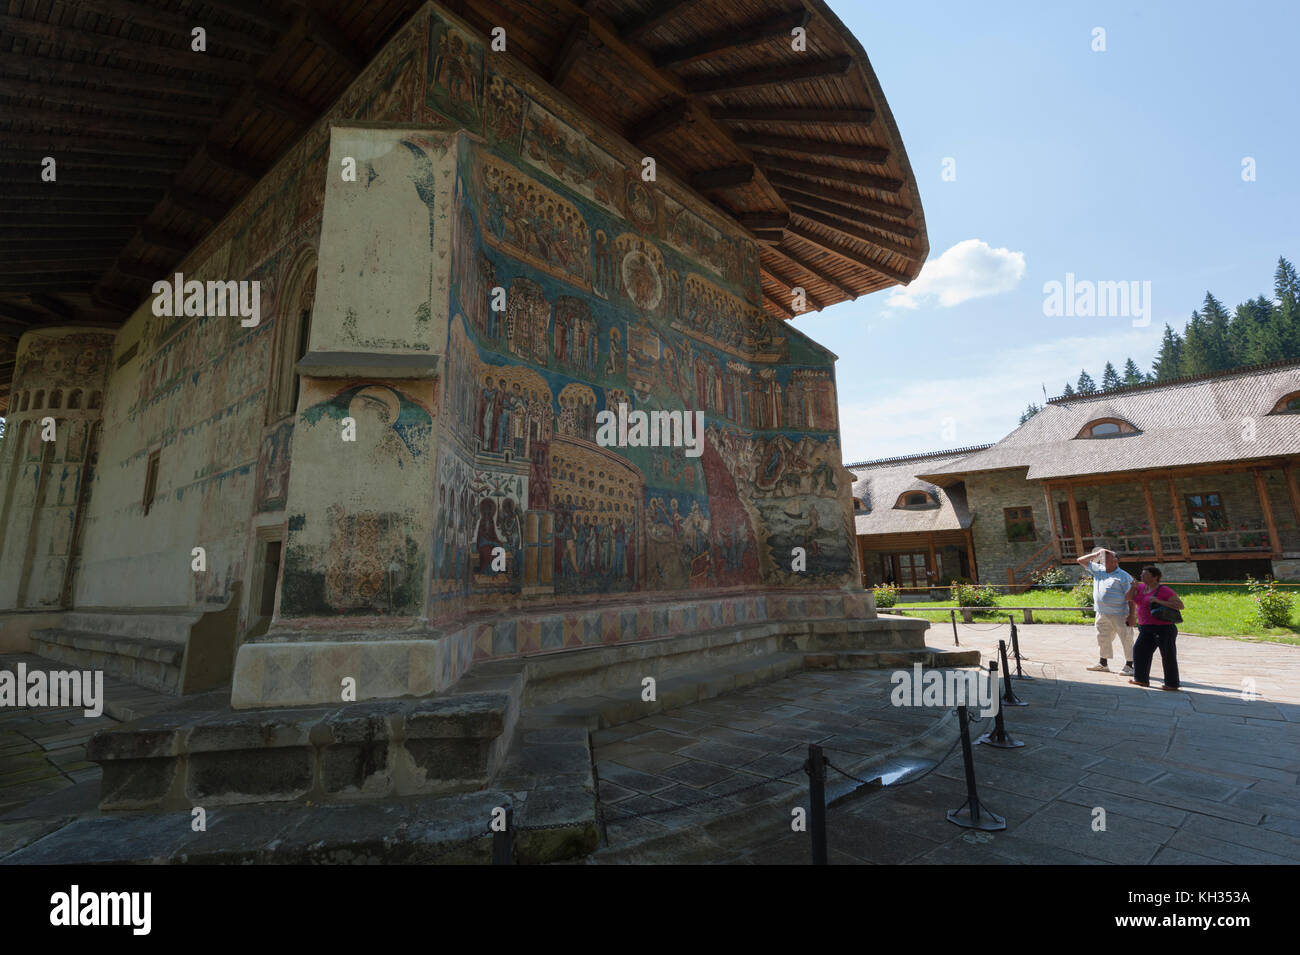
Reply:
x=273 y=468
x=454 y=84
x=561 y=310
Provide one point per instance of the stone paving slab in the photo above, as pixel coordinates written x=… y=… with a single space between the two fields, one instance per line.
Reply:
x=1201 y=777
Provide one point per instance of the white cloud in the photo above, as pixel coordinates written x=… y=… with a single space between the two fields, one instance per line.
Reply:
x=933 y=414
x=970 y=269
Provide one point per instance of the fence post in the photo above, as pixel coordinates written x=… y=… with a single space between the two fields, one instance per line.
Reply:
x=971 y=815
x=502 y=841
x=816 y=770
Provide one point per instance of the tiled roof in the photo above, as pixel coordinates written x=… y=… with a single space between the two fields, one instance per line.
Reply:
x=879 y=486
x=1203 y=420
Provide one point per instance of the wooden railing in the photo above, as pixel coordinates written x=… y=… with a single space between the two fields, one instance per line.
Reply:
x=1022 y=575
x=1198 y=542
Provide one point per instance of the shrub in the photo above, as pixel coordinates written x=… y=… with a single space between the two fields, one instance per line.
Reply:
x=886 y=596
x=1082 y=592
x=969 y=595
x=1052 y=578
x=1272 y=606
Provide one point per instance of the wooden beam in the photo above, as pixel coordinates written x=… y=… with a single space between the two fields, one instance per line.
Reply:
x=233 y=161
x=329 y=38
x=56 y=210
x=22 y=281
x=850 y=177
x=47 y=253
x=77 y=176
x=162 y=239
x=575 y=41
x=179 y=25
x=769 y=76
x=254 y=11
x=732 y=38
x=1052 y=522
x=62 y=263
x=55 y=306
x=264 y=96
x=815 y=271
x=96 y=125
x=675 y=114
x=845 y=255
x=104 y=44
x=60 y=191
x=811 y=116
x=189 y=113
x=763 y=220
x=875 y=155
x=23 y=316
x=790 y=286
x=1156 y=544
x=786 y=183
x=851 y=231
x=139 y=270
x=109 y=297
x=49 y=238
x=56 y=144
x=1266 y=506
x=24 y=165
x=1074 y=523
x=652 y=19
x=61 y=71
x=740 y=174
x=785 y=312
x=768 y=236
x=87 y=218
x=202 y=206
x=858 y=217
x=1178 y=520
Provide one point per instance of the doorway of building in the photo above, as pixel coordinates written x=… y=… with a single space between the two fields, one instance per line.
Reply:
x=1085 y=526
x=267 y=576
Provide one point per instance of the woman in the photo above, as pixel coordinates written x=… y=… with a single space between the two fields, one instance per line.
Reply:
x=1154 y=633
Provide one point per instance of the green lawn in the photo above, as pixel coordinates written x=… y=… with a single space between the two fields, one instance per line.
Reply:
x=1218 y=611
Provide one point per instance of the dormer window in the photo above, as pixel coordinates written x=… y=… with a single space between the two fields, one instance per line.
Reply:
x=916 y=500
x=1106 y=428
x=1290 y=404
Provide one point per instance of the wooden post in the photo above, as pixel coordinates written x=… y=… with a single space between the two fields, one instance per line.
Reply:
x=1074 y=523
x=1151 y=519
x=1294 y=490
x=1051 y=516
x=1178 y=520
x=1273 y=540
x=970 y=556
x=934 y=563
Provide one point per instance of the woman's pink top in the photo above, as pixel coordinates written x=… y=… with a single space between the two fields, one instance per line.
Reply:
x=1143 y=600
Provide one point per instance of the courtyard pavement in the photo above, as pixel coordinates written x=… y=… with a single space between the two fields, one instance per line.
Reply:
x=1201 y=776
x=1207 y=775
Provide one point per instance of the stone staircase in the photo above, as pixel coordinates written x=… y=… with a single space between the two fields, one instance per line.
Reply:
x=173 y=651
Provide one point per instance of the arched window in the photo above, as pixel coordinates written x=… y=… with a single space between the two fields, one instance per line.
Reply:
x=27 y=401
x=74 y=399
x=1289 y=404
x=1106 y=428
x=96 y=398
x=56 y=399
x=293 y=336
x=39 y=401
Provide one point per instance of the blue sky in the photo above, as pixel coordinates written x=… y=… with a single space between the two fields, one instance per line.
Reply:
x=1123 y=165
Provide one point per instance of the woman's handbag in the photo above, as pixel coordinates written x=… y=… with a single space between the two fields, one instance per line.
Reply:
x=1165 y=614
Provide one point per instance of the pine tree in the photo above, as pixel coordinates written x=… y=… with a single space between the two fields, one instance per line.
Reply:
x=1169 y=363
x=1198 y=347
x=1029 y=412
x=1286 y=290
x=1221 y=351
x=1132 y=376
x=1086 y=385
x=1109 y=378
x=1069 y=391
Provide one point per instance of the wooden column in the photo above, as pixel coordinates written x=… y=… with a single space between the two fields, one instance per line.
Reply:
x=970 y=557
x=1151 y=519
x=1051 y=516
x=1293 y=489
x=1178 y=520
x=1262 y=489
x=934 y=563
x=1074 y=522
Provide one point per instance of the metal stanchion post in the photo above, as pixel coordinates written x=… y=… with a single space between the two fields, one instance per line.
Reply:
x=972 y=815
x=953 y=615
x=502 y=841
x=1009 y=697
x=816 y=770
x=998 y=736
x=1015 y=649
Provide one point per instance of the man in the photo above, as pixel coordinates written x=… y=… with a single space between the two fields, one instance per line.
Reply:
x=1113 y=592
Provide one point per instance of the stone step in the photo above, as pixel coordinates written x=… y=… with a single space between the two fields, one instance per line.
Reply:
x=356 y=751
x=621 y=705
x=884 y=659
x=150 y=663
